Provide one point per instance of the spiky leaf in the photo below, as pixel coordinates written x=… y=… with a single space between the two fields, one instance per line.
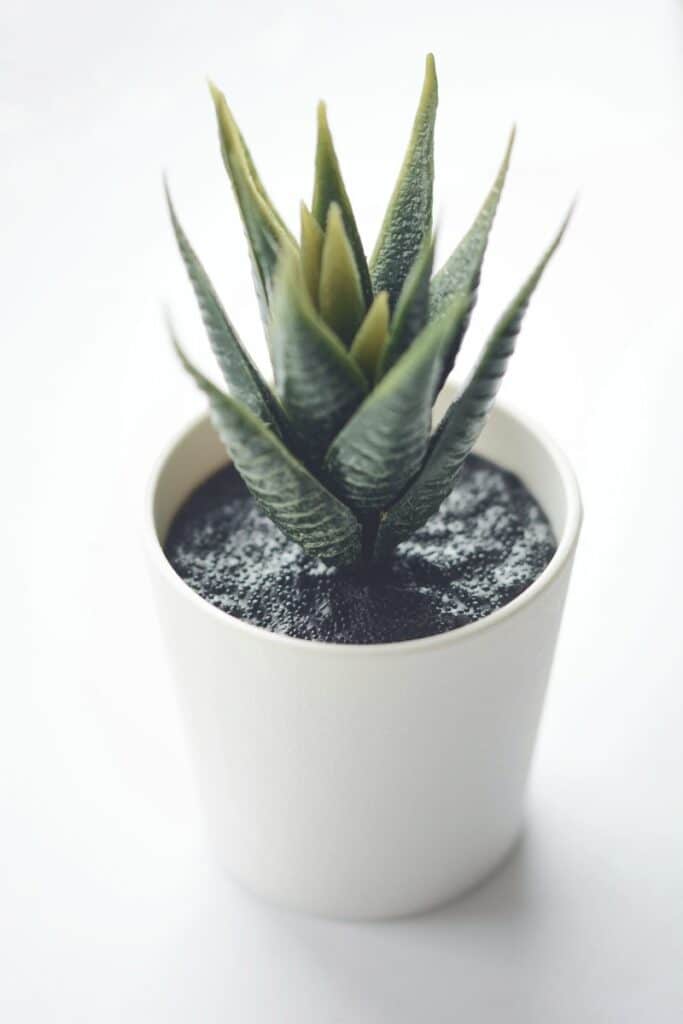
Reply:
x=319 y=383
x=241 y=376
x=410 y=314
x=372 y=336
x=408 y=219
x=294 y=499
x=459 y=429
x=250 y=165
x=329 y=188
x=383 y=445
x=340 y=297
x=312 y=238
x=462 y=270
x=264 y=228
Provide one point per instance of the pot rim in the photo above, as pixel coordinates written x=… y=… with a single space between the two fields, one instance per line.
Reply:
x=563 y=553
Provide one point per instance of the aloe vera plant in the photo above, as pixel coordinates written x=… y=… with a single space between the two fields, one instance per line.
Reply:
x=341 y=454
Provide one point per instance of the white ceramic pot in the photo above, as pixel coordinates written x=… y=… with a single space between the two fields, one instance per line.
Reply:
x=365 y=781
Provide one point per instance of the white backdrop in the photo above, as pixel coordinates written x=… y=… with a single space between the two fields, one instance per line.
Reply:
x=109 y=907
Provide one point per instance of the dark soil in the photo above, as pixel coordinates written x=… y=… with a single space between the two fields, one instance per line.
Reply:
x=487 y=543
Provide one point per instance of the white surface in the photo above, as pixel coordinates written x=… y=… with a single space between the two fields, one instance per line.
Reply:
x=109 y=910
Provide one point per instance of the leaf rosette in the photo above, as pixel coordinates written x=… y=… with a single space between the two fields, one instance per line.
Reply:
x=340 y=453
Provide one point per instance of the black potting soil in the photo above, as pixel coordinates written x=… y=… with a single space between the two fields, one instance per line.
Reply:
x=487 y=543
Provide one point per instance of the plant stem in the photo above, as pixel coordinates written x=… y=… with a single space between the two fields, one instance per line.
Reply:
x=370 y=526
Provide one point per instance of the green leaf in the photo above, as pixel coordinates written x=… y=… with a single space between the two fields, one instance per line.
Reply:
x=459 y=429
x=410 y=314
x=340 y=297
x=382 y=446
x=299 y=504
x=312 y=238
x=408 y=219
x=329 y=188
x=319 y=383
x=242 y=377
x=462 y=270
x=264 y=228
x=372 y=336
x=248 y=161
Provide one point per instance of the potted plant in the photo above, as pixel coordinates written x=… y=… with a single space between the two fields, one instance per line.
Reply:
x=361 y=614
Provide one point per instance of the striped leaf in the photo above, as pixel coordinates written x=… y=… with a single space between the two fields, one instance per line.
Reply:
x=264 y=228
x=319 y=383
x=241 y=376
x=410 y=314
x=383 y=445
x=408 y=220
x=283 y=488
x=459 y=429
x=329 y=188
x=340 y=297
x=462 y=270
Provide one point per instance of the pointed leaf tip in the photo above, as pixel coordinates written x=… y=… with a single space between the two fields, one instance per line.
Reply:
x=462 y=270
x=265 y=229
x=409 y=216
x=430 y=69
x=312 y=239
x=568 y=216
x=340 y=296
x=372 y=335
x=228 y=128
x=329 y=188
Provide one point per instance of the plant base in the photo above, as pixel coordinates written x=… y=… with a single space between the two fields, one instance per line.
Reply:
x=487 y=544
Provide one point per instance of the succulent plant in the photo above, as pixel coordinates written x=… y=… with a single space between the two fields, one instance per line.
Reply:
x=341 y=455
